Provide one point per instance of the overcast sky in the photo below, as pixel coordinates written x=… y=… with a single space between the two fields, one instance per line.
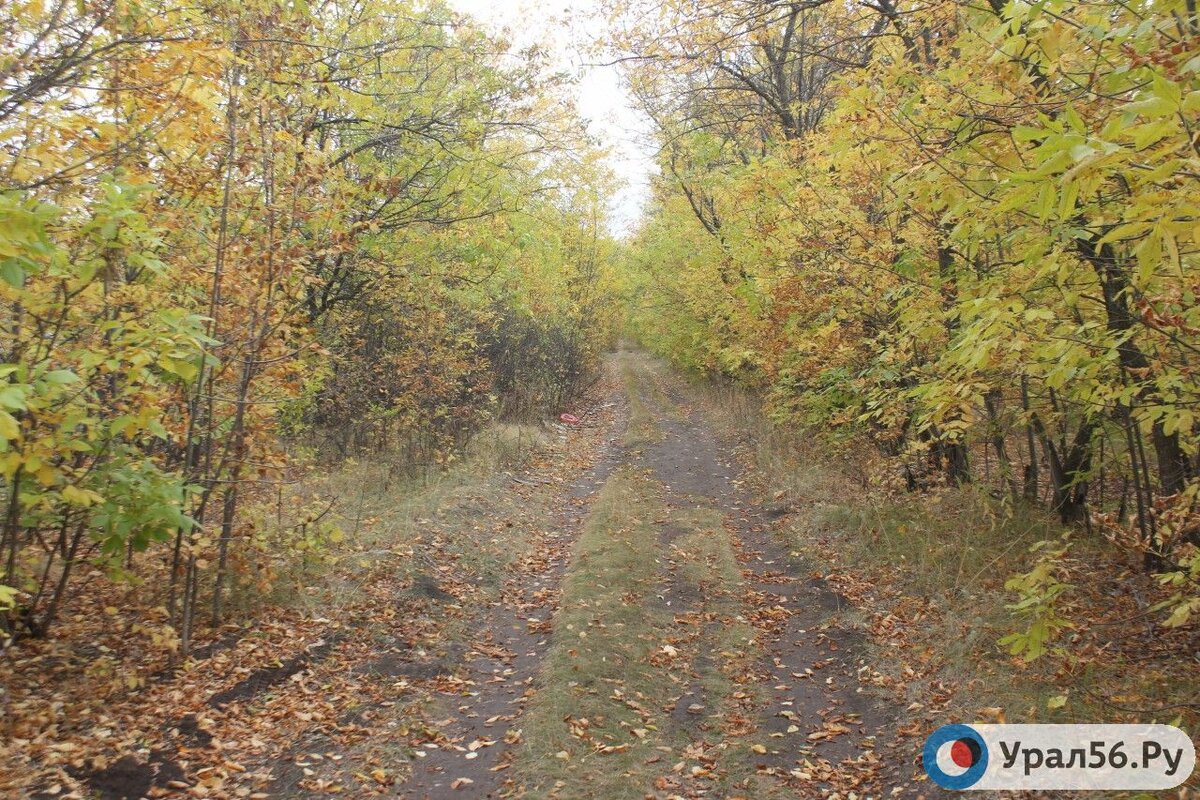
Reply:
x=563 y=26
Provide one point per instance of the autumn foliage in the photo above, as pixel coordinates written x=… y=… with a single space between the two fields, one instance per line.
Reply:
x=962 y=237
x=230 y=233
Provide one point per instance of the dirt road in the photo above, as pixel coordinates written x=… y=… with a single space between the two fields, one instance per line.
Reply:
x=619 y=619
x=690 y=653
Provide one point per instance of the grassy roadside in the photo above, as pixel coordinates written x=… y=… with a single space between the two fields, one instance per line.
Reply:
x=392 y=572
x=360 y=519
x=416 y=564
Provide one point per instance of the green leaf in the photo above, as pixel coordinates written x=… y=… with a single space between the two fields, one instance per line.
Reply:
x=12 y=398
x=8 y=597
x=61 y=377
x=1045 y=202
x=12 y=273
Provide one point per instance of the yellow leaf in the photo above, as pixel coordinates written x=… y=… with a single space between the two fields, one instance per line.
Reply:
x=993 y=713
x=9 y=429
x=76 y=496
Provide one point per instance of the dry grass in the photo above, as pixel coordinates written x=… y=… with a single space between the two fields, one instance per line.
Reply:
x=322 y=539
x=951 y=546
x=597 y=679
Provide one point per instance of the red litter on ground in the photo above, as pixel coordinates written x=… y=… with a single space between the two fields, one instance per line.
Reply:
x=570 y=419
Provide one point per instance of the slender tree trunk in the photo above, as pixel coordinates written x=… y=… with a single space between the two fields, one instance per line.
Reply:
x=42 y=627
x=1069 y=470
x=991 y=402
x=1031 y=476
x=1174 y=468
x=958 y=468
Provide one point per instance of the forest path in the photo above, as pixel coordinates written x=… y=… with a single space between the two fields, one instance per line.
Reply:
x=693 y=654
x=620 y=619
x=690 y=654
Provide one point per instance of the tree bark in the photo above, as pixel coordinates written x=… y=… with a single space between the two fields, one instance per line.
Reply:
x=1174 y=468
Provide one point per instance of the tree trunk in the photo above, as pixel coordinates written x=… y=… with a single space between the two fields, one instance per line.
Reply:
x=1173 y=466
x=991 y=402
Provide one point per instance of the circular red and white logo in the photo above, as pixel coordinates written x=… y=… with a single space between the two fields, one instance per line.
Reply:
x=955 y=756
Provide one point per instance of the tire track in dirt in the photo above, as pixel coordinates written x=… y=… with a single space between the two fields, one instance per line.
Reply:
x=509 y=643
x=817 y=731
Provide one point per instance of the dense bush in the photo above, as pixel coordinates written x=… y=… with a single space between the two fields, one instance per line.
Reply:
x=966 y=233
x=266 y=218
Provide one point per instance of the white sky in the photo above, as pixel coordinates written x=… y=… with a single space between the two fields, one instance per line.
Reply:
x=566 y=28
